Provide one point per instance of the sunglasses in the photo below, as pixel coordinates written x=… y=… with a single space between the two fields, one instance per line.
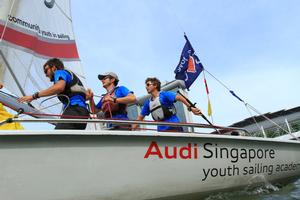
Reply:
x=106 y=77
x=46 y=69
x=148 y=84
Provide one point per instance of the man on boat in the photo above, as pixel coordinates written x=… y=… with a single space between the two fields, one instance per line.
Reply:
x=69 y=90
x=161 y=105
x=114 y=103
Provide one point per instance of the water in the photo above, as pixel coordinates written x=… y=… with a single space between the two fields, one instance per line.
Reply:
x=268 y=191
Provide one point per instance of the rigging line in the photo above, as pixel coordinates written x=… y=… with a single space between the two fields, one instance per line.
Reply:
x=62 y=95
x=12 y=73
x=41 y=109
x=28 y=74
x=7 y=94
x=251 y=107
x=207 y=94
x=63 y=12
x=175 y=16
x=51 y=97
x=6 y=22
x=33 y=81
x=270 y=120
x=264 y=116
x=99 y=96
x=40 y=80
x=33 y=56
x=252 y=116
x=217 y=79
x=28 y=71
x=37 y=69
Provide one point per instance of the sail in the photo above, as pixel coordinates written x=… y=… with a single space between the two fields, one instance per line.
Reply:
x=31 y=32
x=9 y=126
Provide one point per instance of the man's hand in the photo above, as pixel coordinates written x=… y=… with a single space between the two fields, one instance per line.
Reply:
x=27 y=99
x=134 y=127
x=196 y=111
x=89 y=94
x=108 y=98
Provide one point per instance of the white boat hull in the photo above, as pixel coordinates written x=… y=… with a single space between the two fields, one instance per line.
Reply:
x=112 y=165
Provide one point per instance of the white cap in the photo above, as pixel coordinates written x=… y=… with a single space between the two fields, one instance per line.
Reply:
x=112 y=74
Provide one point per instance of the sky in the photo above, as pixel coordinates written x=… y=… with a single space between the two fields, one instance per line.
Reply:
x=252 y=47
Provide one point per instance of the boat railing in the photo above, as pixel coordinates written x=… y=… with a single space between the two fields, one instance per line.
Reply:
x=221 y=129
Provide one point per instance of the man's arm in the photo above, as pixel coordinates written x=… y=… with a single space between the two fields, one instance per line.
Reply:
x=130 y=98
x=57 y=88
x=139 y=118
x=90 y=96
x=195 y=110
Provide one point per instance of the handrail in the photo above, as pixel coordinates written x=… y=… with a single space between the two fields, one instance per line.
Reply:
x=118 y=121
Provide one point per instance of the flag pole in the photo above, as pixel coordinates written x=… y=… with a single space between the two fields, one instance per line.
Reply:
x=209 y=110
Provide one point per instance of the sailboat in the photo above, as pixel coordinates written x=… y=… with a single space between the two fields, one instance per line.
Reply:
x=105 y=164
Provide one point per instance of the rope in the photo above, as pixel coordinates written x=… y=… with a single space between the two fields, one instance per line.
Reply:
x=44 y=108
x=63 y=12
x=109 y=109
x=252 y=108
x=99 y=96
x=273 y=122
x=92 y=105
x=61 y=95
x=252 y=116
x=40 y=109
x=175 y=16
x=217 y=79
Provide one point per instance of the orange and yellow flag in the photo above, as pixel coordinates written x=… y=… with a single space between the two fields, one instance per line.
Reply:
x=209 y=111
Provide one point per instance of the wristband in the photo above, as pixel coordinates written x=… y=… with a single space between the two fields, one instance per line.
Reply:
x=35 y=95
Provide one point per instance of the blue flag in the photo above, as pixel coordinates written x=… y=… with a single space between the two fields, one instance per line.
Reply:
x=189 y=66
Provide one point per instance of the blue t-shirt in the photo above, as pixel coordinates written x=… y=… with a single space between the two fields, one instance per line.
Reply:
x=167 y=99
x=66 y=76
x=120 y=91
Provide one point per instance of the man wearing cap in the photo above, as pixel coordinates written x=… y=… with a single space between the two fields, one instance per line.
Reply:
x=114 y=103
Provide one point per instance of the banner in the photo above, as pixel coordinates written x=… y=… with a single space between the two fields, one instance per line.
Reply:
x=189 y=66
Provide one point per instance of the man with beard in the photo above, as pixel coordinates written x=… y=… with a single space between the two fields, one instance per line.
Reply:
x=69 y=90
